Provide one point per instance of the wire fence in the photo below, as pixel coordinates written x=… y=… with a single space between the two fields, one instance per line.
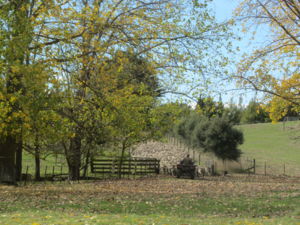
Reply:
x=243 y=165
x=55 y=167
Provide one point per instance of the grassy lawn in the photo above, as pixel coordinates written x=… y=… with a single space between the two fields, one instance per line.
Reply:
x=264 y=140
x=274 y=145
x=215 y=200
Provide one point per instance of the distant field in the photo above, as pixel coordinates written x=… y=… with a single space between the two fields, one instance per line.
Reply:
x=274 y=144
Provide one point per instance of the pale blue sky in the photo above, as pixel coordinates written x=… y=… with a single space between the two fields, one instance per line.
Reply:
x=224 y=10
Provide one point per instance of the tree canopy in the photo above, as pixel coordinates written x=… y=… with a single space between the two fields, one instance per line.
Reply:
x=94 y=69
x=216 y=135
x=273 y=68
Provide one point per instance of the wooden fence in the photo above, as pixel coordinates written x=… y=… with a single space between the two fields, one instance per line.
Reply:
x=127 y=166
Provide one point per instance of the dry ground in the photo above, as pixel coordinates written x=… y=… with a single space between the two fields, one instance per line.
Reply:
x=234 y=199
x=234 y=185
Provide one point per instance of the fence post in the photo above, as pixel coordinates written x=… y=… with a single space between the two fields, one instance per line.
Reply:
x=26 y=176
x=283 y=168
x=254 y=166
x=61 y=172
x=129 y=171
x=46 y=172
x=265 y=168
x=53 y=168
x=135 y=168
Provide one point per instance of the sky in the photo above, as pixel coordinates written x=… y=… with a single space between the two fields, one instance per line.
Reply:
x=224 y=10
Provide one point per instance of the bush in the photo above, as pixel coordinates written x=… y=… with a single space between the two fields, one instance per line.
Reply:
x=223 y=139
x=216 y=135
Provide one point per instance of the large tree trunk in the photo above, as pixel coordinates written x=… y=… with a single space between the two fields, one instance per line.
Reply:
x=87 y=162
x=37 y=166
x=8 y=149
x=74 y=157
x=19 y=160
x=37 y=158
x=18 y=40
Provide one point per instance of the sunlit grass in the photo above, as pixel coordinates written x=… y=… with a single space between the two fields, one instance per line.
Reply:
x=271 y=142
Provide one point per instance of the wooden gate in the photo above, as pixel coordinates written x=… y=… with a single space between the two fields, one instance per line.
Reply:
x=127 y=166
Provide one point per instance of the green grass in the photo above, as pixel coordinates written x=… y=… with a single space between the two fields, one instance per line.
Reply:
x=56 y=163
x=271 y=143
x=233 y=200
x=153 y=201
x=179 y=205
x=50 y=217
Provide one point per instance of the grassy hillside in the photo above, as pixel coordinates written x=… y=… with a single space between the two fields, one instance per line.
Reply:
x=274 y=143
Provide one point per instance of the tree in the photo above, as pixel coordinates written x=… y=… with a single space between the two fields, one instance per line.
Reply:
x=254 y=113
x=43 y=126
x=130 y=118
x=164 y=117
x=223 y=139
x=278 y=107
x=137 y=71
x=15 y=38
x=274 y=67
x=74 y=40
x=216 y=135
x=210 y=108
x=187 y=127
x=233 y=113
x=154 y=30
x=28 y=29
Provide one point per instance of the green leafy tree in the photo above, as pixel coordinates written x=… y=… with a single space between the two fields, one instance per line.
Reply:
x=15 y=38
x=43 y=126
x=74 y=39
x=187 y=126
x=216 y=135
x=233 y=113
x=272 y=68
x=209 y=108
x=254 y=113
x=223 y=139
x=165 y=116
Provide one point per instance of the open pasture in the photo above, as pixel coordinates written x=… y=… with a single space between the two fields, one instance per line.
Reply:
x=161 y=200
x=274 y=143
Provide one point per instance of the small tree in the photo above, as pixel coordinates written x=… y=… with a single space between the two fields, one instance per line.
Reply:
x=233 y=113
x=187 y=126
x=216 y=135
x=254 y=113
x=223 y=139
x=209 y=108
x=199 y=134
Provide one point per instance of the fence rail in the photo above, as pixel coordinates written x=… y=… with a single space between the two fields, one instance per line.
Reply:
x=128 y=166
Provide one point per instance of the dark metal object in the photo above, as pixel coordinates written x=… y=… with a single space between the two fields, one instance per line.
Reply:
x=186 y=171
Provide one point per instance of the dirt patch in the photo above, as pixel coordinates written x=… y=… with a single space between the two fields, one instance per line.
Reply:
x=212 y=186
